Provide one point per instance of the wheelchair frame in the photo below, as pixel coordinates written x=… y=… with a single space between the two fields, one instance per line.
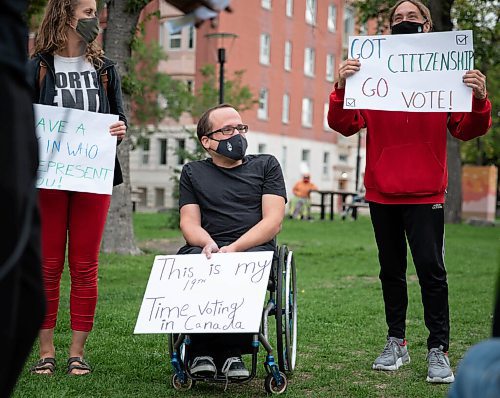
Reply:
x=282 y=304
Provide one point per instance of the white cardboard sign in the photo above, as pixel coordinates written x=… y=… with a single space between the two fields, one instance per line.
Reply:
x=192 y=294
x=413 y=72
x=76 y=151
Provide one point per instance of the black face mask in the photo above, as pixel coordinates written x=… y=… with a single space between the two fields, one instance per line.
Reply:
x=88 y=29
x=407 y=27
x=232 y=148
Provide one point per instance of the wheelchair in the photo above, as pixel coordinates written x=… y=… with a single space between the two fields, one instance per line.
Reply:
x=281 y=304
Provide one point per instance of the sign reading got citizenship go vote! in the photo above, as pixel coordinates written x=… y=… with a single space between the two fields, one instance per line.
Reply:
x=76 y=150
x=411 y=72
x=192 y=294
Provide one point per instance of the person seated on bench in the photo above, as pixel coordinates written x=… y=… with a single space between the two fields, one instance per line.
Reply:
x=228 y=203
x=300 y=205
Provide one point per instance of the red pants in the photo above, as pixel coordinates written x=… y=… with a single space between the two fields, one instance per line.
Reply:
x=79 y=218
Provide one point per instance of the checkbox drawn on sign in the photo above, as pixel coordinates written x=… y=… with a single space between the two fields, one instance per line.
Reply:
x=350 y=102
x=461 y=40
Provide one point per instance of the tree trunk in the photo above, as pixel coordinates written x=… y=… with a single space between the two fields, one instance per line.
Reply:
x=441 y=17
x=453 y=208
x=119 y=231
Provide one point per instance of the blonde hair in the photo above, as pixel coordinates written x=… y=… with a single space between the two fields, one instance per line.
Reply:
x=51 y=36
x=421 y=7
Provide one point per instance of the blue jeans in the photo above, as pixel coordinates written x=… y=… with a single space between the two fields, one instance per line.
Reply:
x=478 y=374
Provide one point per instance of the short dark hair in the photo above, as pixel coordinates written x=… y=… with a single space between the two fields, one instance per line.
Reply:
x=421 y=7
x=204 y=125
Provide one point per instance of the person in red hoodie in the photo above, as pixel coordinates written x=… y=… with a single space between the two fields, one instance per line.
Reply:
x=406 y=179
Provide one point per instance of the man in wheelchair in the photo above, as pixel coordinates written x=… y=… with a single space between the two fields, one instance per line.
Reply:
x=230 y=202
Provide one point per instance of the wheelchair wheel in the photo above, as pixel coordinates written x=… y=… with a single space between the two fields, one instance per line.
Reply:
x=286 y=311
x=271 y=386
x=176 y=383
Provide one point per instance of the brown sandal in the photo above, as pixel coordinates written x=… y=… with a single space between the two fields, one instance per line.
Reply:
x=77 y=363
x=44 y=364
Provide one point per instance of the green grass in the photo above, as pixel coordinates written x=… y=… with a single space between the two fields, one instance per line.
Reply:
x=341 y=319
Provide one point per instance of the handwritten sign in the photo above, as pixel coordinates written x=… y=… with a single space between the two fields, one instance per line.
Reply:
x=414 y=73
x=192 y=294
x=76 y=151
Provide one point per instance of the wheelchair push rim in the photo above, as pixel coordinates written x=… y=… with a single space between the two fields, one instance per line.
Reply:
x=286 y=311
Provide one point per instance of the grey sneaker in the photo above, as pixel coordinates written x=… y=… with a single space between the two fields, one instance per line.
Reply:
x=439 y=366
x=203 y=367
x=235 y=368
x=394 y=355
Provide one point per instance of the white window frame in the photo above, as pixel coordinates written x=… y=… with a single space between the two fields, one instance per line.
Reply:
x=285 y=113
x=330 y=67
x=309 y=61
x=267 y=4
x=325 y=117
x=307 y=112
x=287 y=61
x=289 y=8
x=262 y=111
x=265 y=49
x=175 y=36
x=349 y=24
x=311 y=11
x=332 y=18
x=326 y=164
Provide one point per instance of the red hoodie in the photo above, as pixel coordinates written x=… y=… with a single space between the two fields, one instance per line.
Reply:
x=406 y=151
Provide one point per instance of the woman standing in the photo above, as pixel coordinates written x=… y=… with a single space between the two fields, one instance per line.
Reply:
x=69 y=70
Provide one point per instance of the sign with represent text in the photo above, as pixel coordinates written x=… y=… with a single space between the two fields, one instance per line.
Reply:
x=192 y=294
x=76 y=150
x=413 y=72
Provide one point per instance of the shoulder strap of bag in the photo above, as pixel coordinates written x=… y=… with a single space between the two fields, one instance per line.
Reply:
x=42 y=73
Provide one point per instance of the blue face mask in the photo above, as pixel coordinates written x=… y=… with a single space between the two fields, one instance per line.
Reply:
x=407 y=27
x=232 y=148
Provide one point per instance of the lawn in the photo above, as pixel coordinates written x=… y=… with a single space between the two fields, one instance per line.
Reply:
x=341 y=319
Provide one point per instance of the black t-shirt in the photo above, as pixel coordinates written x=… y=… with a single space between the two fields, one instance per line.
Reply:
x=230 y=199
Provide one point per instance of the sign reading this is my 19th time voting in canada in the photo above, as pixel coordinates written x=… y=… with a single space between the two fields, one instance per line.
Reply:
x=415 y=73
x=192 y=294
x=76 y=150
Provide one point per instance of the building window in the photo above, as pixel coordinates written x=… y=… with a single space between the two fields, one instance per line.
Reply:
x=265 y=49
x=289 y=8
x=263 y=99
x=348 y=24
x=261 y=148
x=306 y=157
x=266 y=4
x=285 y=114
x=162 y=145
x=311 y=12
x=330 y=67
x=307 y=112
x=181 y=151
x=332 y=18
x=145 y=150
x=325 y=117
x=191 y=37
x=159 y=197
x=288 y=55
x=284 y=157
x=326 y=164
x=190 y=86
x=174 y=41
x=343 y=158
x=309 y=55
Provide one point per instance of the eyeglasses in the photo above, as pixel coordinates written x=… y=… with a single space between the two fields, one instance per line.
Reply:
x=228 y=130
